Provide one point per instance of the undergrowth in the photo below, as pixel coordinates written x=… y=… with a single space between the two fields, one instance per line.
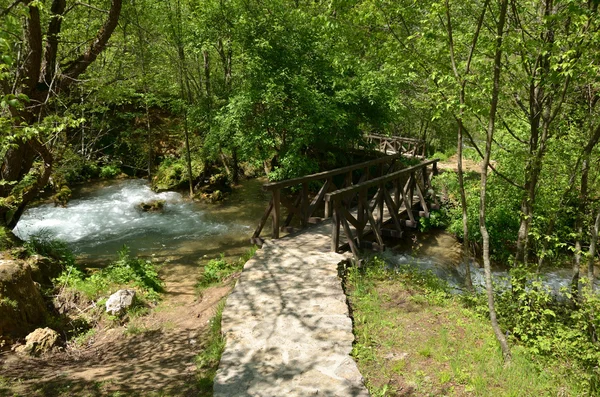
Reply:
x=219 y=269
x=207 y=361
x=413 y=337
x=125 y=271
x=42 y=243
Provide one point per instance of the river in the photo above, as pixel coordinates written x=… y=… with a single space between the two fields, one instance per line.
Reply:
x=103 y=217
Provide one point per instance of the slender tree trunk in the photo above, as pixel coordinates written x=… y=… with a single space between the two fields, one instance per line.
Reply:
x=486 y=160
x=594 y=230
x=459 y=151
x=188 y=156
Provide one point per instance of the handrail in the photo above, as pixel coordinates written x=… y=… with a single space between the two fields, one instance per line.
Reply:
x=330 y=173
x=395 y=194
x=377 y=181
x=304 y=206
x=399 y=138
x=411 y=146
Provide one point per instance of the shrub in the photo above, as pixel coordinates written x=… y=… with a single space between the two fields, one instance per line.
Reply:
x=42 y=243
x=440 y=156
x=124 y=271
x=109 y=171
x=218 y=270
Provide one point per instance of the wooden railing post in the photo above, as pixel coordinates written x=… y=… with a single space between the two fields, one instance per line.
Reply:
x=304 y=220
x=276 y=211
x=335 y=231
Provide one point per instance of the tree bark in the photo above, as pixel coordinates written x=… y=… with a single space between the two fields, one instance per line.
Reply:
x=459 y=151
x=592 y=252
x=482 y=210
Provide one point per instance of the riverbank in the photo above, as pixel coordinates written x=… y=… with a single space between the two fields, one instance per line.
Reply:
x=168 y=349
x=414 y=338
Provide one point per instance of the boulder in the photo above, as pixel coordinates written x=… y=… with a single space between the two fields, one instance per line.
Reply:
x=22 y=308
x=44 y=270
x=119 y=301
x=153 y=206
x=40 y=341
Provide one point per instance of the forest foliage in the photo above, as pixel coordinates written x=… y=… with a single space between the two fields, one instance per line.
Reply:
x=178 y=88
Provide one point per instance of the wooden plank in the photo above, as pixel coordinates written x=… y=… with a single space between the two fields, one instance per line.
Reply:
x=374 y=227
x=377 y=181
x=392 y=209
x=350 y=238
x=347 y=215
x=391 y=233
x=304 y=218
x=292 y=208
x=335 y=230
x=422 y=199
x=263 y=220
x=318 y=198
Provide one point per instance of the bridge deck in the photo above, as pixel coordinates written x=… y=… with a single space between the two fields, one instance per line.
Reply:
x=287 y=324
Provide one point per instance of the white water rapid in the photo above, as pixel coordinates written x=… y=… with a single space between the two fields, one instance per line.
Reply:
x=109 y=217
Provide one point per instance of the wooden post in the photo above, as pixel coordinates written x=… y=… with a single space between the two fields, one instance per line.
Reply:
x=380 y=220
x=276 y=212
x=335 y=231
x=304 y=202
x=327 y=210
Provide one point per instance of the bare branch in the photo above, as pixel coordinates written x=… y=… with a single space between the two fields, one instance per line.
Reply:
x=9 y=8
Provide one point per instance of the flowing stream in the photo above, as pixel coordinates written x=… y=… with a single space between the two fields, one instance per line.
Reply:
x=441 y=254
x=103 y=218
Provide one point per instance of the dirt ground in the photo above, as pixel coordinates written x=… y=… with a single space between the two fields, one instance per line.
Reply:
x=468 y=165
x=153 y=355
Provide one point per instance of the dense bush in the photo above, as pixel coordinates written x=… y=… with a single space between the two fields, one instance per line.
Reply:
x=502 y=215
x=125 y=270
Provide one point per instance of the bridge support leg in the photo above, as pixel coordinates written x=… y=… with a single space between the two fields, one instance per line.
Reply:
x=276 y=212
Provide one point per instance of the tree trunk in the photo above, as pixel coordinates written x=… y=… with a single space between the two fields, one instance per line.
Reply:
x=486 y=160
x=592 y=252
x=459 y=150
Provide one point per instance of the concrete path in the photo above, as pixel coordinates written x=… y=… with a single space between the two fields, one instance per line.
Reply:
x=287 y=325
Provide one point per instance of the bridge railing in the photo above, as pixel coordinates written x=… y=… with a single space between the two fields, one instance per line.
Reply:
x=395 y=144
x=303 y=205
x=393 y=195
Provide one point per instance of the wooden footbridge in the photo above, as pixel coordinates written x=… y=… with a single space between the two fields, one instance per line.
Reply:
x=376 y=198
x=287 y=326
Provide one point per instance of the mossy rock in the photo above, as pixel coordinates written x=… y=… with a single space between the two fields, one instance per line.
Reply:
x=8 y=239
x=217 y=195
x=44 y=270
x=22 y=308
x=62 y=197
x=218 y=180
x=152 y=206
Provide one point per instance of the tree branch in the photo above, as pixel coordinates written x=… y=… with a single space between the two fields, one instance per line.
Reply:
x=9 y=8
x=78 y=66
x=49 y=65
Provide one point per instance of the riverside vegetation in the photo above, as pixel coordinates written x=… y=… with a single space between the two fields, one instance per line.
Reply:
x=198 y=95
x=415 y=338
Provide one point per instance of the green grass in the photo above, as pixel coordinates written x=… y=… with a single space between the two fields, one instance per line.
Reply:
x=414 y=337
x=219 y=270
x=207 y=361
x=125 y=271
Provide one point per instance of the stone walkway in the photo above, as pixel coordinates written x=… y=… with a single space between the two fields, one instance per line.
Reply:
x=287 y=325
